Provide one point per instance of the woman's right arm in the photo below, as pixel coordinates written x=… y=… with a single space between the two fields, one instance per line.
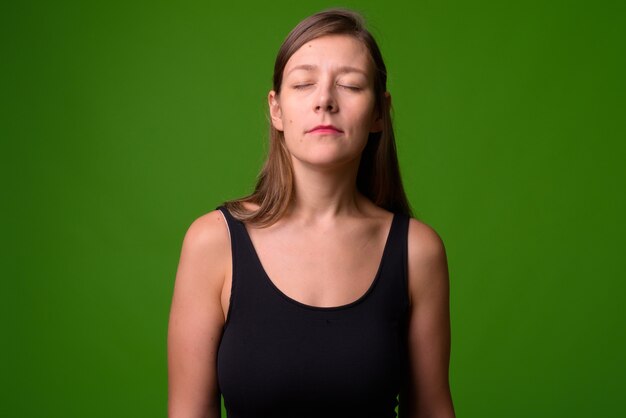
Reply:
x=196 y=320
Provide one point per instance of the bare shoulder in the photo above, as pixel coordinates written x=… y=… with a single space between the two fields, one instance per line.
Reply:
x=208 y=231
x=206 y=248
x=424 y=242
x=428 y=267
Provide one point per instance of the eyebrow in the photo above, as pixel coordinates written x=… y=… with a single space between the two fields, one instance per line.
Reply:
x=343 y=69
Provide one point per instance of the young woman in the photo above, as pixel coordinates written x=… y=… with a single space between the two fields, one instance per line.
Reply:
x=317 y=295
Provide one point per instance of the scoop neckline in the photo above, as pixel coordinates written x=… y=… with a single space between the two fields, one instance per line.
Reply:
x=289 y=299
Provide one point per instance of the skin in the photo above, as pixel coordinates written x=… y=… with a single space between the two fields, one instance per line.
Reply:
x=330 y=228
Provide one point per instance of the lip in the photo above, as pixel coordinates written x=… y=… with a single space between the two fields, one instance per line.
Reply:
x=325 y=129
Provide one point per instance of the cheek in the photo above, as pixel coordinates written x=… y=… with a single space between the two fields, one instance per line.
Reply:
x=362 y=109
x=291 y=126
x=363 y=121
x=289 y=114
x=290 y=120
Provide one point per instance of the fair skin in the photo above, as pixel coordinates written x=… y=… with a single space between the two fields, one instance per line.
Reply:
x=329 y=228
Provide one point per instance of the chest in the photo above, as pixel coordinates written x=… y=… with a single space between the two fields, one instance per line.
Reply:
x=321 y=269
x=307 y=360
x=341 y=352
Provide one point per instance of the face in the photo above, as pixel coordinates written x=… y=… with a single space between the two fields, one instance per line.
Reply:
x=328 y=82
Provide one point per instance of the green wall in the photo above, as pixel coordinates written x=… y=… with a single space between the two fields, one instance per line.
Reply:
x=122 y=122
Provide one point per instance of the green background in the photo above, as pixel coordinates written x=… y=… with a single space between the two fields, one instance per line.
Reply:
x=122 y=122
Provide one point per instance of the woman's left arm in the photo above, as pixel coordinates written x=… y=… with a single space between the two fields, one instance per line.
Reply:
x=428 y=394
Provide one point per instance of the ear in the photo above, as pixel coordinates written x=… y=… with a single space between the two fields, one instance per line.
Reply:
x=275 y=111
x=377 y=124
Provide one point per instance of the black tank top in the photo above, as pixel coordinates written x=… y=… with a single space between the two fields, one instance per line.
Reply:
x=281 y=358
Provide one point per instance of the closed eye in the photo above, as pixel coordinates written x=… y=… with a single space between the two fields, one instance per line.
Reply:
x=344 y=86
x=353 y=88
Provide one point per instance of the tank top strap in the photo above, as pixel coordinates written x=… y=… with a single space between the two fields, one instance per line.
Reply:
x=398 y=245
x=236 y=229
x=243 y=255
x=244 y=270
x=392 y=288
x=230 y=219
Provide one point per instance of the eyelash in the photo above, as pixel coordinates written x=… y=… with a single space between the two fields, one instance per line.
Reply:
x=302 y=86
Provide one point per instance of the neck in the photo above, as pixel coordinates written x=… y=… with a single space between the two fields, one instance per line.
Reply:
x=325 y=194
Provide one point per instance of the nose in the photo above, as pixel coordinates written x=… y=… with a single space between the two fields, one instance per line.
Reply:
x=325 y=101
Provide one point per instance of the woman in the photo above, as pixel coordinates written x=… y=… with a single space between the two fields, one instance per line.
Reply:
x=317 y=295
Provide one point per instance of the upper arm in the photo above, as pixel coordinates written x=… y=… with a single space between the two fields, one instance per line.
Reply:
x=196 y=320
x=429 y=325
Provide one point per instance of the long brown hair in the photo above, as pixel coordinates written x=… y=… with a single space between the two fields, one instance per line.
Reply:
x=378 y=176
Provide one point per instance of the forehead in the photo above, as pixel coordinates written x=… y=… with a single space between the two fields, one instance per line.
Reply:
x=331 y=51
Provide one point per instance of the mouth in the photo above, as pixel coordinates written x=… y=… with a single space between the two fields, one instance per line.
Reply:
x=325 y=129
